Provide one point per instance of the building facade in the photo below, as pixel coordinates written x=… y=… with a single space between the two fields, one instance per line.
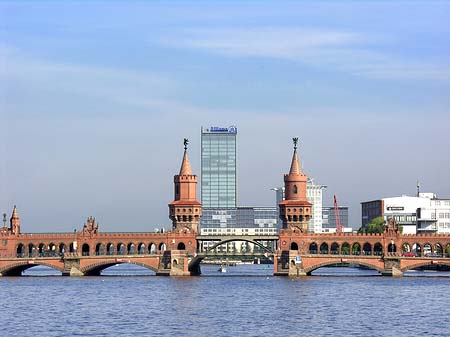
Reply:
x=219 y=167
x=329 y=219
x=424 y=213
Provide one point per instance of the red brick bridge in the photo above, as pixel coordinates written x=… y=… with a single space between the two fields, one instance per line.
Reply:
x=88 y=252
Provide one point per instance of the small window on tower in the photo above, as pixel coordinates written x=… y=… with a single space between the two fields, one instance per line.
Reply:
x=295 y=189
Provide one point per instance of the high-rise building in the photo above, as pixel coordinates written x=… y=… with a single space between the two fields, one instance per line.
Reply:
x=219 y=167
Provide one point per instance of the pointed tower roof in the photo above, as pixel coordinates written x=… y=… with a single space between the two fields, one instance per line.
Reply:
x=295 y=166
x=14 y=215
x=185 y=169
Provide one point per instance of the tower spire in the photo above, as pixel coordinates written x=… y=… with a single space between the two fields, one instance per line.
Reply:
x=15 y=221
x=295 y=167
x=185 y=210
x=185 y=169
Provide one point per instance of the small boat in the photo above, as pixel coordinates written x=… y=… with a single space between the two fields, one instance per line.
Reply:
x=222 y=269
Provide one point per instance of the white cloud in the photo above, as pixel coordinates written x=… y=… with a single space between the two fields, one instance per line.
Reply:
x=330 y=49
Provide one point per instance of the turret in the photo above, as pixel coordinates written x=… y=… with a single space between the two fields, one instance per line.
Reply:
x=185 y=211
x=14 y=222
x=295 y=210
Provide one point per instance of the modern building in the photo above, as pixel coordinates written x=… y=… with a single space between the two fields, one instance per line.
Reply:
x=238 y=221
x=219 y=167
x=424 y=213
x=329 y=220
x=314 y=196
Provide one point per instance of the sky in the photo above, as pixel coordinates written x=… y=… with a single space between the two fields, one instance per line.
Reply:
x=96 y=98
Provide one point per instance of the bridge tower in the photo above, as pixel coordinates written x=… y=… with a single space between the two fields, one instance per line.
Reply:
x=15 y=222
x=295 y=210
x=185 y=211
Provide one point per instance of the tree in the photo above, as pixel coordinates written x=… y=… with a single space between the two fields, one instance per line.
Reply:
x=375 y=226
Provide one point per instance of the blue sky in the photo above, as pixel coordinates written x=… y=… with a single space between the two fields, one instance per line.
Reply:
x=96 y=97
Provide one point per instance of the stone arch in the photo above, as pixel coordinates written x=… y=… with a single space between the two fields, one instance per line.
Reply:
x=174 y=262
x=333 y=261
x=294 y=246
x=427 y=249
x=447 y=249
x=41 y=249
x=16 y=269
x=378 y=249
x=96 y=268
x=313 y=248
x=85 y=249
x=120 y=249
x=406 y=247
x=131 y=248
x=345 y=248
x=334 y=249
x=367 y=249
x=109 y=249
x=72 y=247
x=62 y=248
x=324 y=248
x=417 y=248
x=162 y=247
x=437 y=248
x=152 y=248
x=141 y=248
x=392 y=248
x=99 y=249
x=51 y=249
x=31 y=250
x=423 y=263
x=20 y=251
x=181 y=246
x=356 y=248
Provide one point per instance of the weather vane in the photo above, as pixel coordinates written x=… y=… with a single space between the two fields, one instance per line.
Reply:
x=185 y=142
x=295 y=140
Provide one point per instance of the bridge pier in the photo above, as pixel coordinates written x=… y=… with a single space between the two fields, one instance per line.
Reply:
x=288 y=263
x=392 y=267
x=72 y=267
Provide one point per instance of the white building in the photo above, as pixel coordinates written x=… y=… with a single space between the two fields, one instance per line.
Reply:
x=435 y=217
x=424 y=213
x=314 y=196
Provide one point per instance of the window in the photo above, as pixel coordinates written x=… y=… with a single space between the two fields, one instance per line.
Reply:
x=295 y=189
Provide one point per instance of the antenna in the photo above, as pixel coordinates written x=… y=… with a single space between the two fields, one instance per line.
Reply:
x=418 y=187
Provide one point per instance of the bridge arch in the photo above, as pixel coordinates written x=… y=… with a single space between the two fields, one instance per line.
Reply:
x=345 y=248
x=96 y=268
x=423 y=263
x=16 y=269
x=332 y=262
x=356 y=248
x=378 y=249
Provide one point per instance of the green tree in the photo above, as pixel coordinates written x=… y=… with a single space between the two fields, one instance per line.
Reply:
x=377 y=225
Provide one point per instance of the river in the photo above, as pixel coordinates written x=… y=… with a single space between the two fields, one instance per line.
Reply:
x=245 y=301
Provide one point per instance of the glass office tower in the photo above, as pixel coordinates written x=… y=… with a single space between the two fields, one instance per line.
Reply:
x=219 y=167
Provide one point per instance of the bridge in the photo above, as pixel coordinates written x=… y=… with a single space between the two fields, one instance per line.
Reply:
x=89 y=251
x=179 y=252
